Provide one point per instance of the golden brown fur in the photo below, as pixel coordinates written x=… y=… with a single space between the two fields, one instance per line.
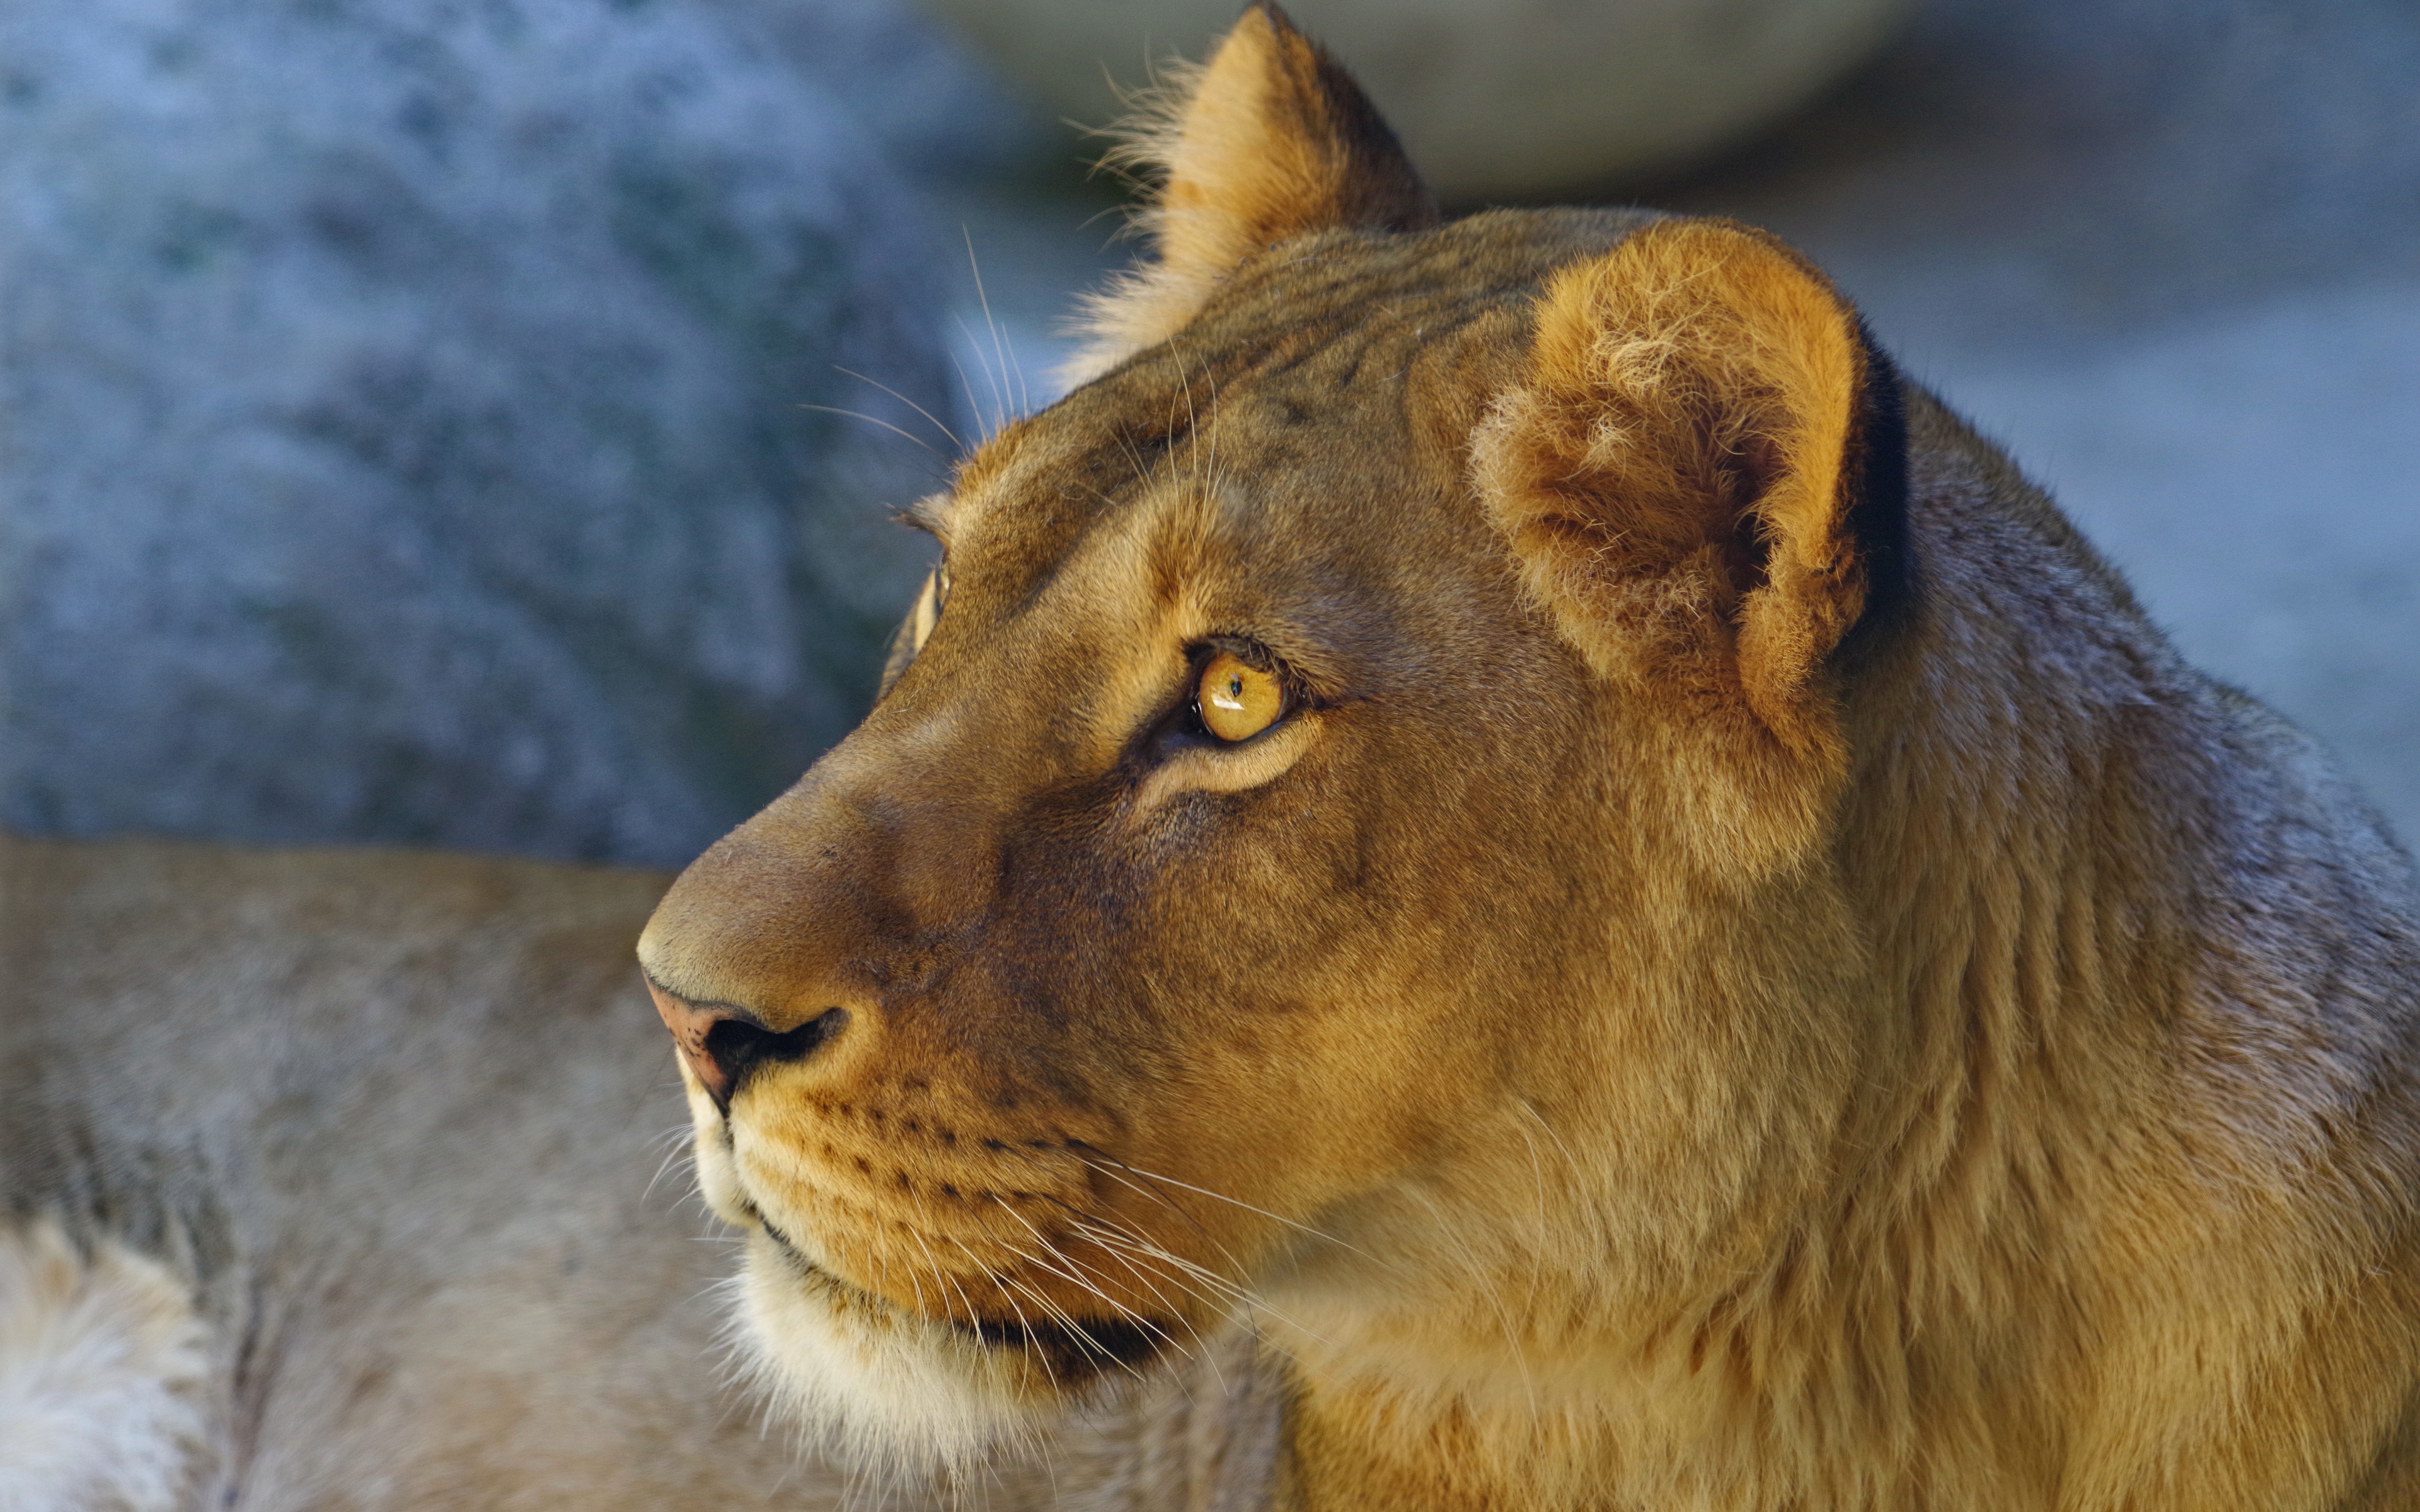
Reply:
x=1750 y=977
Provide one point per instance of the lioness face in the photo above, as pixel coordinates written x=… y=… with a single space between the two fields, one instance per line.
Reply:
x=1162 y=914
x=1342 y=840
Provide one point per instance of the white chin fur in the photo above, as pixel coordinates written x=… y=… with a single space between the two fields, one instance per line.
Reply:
x=903 y=1393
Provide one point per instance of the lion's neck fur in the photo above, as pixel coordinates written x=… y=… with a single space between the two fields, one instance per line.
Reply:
x=1966 y=1251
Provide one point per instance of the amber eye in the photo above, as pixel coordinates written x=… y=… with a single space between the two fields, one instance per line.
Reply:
x=1237 y=700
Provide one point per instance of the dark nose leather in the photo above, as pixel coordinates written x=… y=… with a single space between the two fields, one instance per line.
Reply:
x=724 y=1043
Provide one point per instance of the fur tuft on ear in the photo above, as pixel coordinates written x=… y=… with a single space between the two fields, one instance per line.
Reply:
x=1678 y=471
x=1701 y=475
x=1269 y=140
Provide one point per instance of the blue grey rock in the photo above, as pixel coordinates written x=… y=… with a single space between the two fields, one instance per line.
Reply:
x=904 y=78
x=403 y=427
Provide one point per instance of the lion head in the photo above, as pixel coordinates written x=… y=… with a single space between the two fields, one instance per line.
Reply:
x=1385 y=830
x=1324 y=717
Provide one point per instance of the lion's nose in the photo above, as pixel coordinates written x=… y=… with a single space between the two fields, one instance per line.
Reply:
x=724 y=1043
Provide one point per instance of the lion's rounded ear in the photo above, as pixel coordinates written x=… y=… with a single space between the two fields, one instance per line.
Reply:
x=1702 y=474
x=1272 y=140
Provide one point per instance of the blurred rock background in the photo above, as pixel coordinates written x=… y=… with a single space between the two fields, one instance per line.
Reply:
x=1492 y=96
x=404 y=426
x=404 y=404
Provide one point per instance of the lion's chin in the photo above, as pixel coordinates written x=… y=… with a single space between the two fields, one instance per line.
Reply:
x=896 y=1390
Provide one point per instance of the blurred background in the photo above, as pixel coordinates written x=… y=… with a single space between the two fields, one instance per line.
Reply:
x=477 y=422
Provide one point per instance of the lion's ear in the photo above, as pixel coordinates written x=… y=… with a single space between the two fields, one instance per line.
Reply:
x=1701 y=474
x=1274 y=140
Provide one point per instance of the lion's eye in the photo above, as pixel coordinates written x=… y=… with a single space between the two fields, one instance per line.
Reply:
x=1236 y=698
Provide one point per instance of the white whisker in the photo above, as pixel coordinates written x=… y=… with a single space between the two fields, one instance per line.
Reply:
x=991 y=378
x=1235 y=1294
x=947 y=433
x=670 y=1155
x=872 y=419
x=974 y=406
x=1008 y=368
x=1203 y=1190
x=1073 y=1272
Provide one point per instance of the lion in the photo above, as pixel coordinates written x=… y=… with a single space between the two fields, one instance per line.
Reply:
x=1498 y=870
x=1502 y=811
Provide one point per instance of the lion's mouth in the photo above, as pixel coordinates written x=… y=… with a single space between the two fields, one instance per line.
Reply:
x=1095 y=1345
x=1070 y=1348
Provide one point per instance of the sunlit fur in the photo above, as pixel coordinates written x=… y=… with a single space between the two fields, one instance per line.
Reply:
x=1752 y=979
x=1259 y=149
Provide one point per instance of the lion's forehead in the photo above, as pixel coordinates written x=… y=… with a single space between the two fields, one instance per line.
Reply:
x=1331 y=373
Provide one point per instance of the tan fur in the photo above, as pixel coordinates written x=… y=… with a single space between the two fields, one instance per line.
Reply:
x=1751 y=978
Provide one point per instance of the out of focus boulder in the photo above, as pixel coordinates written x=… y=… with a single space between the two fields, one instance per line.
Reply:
x=1495 y=99
x=404 y=426
x=936 y=108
